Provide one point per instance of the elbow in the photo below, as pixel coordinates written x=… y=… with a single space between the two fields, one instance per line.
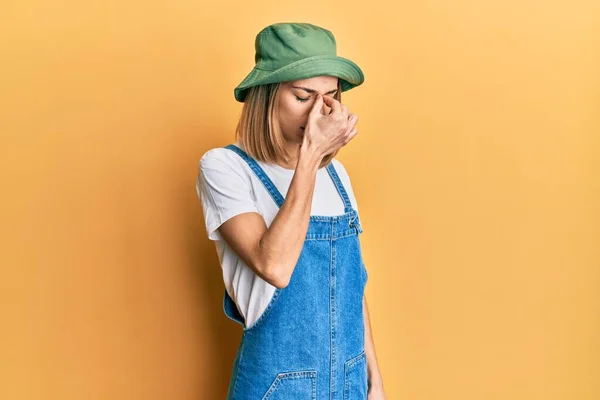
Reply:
x=275 y=277
x=271 y=269
x=281 y=283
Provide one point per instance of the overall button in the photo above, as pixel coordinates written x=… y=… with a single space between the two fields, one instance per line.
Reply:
x=355 y=224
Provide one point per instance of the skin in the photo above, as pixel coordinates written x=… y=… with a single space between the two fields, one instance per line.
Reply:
x=295 y=100
x=272 y=252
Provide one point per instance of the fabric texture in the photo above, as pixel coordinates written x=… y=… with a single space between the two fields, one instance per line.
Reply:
x=309 y=341
x=289 y=51
x=226 y=187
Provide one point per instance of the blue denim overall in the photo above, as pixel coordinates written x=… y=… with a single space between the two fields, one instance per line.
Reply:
x=309 y=342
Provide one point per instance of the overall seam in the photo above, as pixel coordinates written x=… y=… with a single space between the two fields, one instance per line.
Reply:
x=238 y=366
x=332 y=313
x=321 y=227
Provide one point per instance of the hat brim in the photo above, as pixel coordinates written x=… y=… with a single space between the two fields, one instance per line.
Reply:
x=350 y=74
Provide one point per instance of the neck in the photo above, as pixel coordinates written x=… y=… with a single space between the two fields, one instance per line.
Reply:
x=293 y=151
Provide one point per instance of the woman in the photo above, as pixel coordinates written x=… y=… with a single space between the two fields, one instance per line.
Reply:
x=284 y=217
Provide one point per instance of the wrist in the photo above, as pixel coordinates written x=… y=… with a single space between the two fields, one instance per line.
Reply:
x=375 y=380
x=309 y=158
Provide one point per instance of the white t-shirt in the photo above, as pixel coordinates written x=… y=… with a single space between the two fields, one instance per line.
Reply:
x=226 y=187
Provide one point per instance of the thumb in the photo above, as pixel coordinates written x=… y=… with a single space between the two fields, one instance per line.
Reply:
x=316 y=108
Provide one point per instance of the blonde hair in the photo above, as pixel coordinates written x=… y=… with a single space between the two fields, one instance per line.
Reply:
x=258 y=128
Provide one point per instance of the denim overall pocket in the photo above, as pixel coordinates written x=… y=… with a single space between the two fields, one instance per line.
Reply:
x=355 y=378
x=297 y=385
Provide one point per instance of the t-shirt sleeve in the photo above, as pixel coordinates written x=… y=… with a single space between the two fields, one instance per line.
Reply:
x=224 y=193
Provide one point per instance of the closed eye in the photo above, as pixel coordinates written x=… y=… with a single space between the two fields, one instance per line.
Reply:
x=301 y=99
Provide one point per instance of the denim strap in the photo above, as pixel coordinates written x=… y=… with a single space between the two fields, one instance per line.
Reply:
x=272 y=189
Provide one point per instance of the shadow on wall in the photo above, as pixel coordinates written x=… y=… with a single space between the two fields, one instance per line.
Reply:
x=199 y=127
x=220 y=335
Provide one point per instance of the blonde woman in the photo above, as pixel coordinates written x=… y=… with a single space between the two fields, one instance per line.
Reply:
x=284 y=218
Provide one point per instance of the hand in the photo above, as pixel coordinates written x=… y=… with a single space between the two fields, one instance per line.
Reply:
x=376 y=393
x=326 y=133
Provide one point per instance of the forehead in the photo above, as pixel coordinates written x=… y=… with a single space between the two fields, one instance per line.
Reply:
x=322 y=83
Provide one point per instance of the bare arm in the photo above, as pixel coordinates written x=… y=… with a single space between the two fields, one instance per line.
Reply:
x=273 y=252
x=375 y=379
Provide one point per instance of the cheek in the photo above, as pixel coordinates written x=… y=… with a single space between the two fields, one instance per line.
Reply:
x=293 y=114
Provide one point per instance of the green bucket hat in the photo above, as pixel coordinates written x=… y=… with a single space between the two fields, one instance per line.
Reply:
x=289 y=51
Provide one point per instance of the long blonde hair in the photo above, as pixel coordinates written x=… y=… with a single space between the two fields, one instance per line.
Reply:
x=258 y=128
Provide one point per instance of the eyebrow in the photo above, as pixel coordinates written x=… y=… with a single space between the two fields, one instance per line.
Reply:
x=312 y=90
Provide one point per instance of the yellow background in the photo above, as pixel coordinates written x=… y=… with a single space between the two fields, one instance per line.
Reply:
x=476 y=170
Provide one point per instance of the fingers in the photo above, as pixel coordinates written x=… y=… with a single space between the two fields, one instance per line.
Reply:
x=340 y=113
x=325 y=110
x=352 y=119
x=333 y=103
x=345 y=113
x=351 y=135
x=352 y=131
x=316 y=107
